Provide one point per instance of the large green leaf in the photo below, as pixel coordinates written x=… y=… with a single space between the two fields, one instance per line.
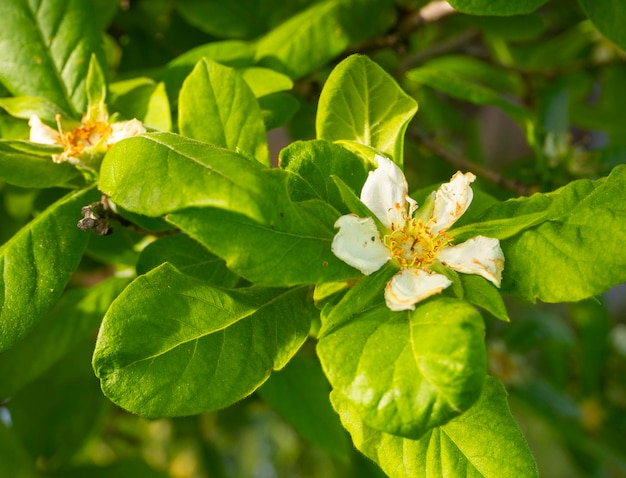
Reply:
x=483 y=442
x=608 y=16
x=497 y=7
x=299 y=393
x=240 y=210
x=361 y=103
x=30 y=165
x=217 y=106
x=37 y=263
x=74 y=316
x=51 y=58
x=171 y=172
x=174 y=345
x=561 y=246
x=14 y=460
x=307 y=41
x=408 y=372
x=188 y=257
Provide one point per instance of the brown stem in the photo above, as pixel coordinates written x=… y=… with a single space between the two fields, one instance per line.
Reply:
x=462 y=163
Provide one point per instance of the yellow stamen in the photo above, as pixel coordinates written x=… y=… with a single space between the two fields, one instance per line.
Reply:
x=412 y=244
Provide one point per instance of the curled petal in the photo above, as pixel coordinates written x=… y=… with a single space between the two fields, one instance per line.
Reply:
x=42 y=133
x=480 y=255
x=385 y=192
x=358 y=244
x=451 y=201
x=409 y=286
x=125 y=129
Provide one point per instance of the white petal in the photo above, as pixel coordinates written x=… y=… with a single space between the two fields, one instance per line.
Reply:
x=480 y=255
x=451 y=201
x=41 y=133
x=125 y=129
x=358 y=244
x=385 y=192
x=409 y=286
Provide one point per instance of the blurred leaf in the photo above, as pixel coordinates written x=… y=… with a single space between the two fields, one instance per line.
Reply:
x=134 y=469
x=467 y=90
x=37 y=263
x=55 y=414
x=608 y=16
x=484 y=441
x=238 y=18
x=187 y=256
x=277 y=109
x=310 y=39
x=263 y=81
x=216 y=95
x=57 y=38
x=76 y=314
x=26 y=106
x=556 y=245
x=30 y=165
x=143 y=99
x=299 y=393
x=360 y=102
x=155 y=361
x=497 y=7
x=405 y=373
x=14 y=460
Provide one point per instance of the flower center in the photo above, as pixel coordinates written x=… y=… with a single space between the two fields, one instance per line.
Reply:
x=89 y=133
x=412 y=244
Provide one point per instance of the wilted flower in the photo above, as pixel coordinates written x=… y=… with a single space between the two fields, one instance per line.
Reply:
x=414 y=240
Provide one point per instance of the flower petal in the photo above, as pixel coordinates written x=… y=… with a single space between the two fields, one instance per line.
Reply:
x=42 y=133
x=125 y=129
x=385 y=192
x=409 y=286
x=480 y=255
x=451 y=201
x=358 y=244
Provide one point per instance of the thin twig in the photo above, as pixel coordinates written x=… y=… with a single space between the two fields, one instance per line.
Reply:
x=462 y=163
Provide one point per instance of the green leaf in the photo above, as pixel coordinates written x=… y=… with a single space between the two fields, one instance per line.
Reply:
x=156 y=361
x=143 y=99
x=479 y=291
x=217 y=106
x=313 y=163
x=223 y=201
x=277 y=109
x=565 y=245
x=237 y=18
x=51 y=60
x=229 y=53
x=310 y=39
x=187 y=256
x=263 y=81
x=608 y=17
x=96 y=91
x=37 y=263
x=171 y=172
x=483 y=442
x=360 y=102
x=299 y=393
x=14 y=460
x=30 y=165
x=468 y=90
x=291 y=247
x=56 y=414
x=73 y=317
x=408 y=372
x=26 y=106
x=497 y=7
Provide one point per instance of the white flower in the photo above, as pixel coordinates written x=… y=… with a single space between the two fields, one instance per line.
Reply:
x=89 y=137
x=414 y=240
